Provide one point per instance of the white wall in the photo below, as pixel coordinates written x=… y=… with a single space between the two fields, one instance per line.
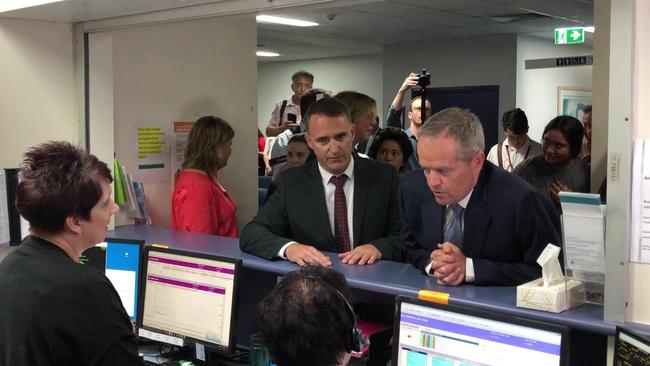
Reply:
x=455 y=62
x=358 y=73
x=182 y=71
x=537 y=88
x=37 y=87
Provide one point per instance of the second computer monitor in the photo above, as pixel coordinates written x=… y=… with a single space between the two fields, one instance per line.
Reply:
x=189 y=297
x=428 y=333
x=120 y=261
x=631 y=348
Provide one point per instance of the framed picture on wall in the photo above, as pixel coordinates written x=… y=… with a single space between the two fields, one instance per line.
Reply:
x=571 y=101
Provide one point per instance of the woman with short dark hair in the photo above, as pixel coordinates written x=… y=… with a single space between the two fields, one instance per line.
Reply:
x=558 y=168
x=55 y=310
x=200 y=203
x=392 y=146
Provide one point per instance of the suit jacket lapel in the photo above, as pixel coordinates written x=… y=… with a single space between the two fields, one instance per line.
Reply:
x=430 y=210
x=477 y=221
x=361 y=182
x=318 y=207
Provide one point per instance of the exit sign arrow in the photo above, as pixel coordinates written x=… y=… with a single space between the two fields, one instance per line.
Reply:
x=575 y=35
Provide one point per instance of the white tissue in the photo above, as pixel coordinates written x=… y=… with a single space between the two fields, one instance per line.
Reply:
x=549 y=260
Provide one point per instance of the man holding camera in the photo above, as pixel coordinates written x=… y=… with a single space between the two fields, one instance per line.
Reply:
x=414 y=115
x=286 y=113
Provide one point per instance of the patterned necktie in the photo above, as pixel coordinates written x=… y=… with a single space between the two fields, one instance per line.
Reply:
x=341 y=234
x=454 y=230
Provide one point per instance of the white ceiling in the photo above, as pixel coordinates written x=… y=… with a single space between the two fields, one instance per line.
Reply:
x=347 y=27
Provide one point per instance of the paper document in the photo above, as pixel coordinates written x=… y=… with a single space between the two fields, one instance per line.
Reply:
x=640 y=213
x=583 y=223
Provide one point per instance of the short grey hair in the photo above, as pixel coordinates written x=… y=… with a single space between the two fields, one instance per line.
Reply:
x=460 y=124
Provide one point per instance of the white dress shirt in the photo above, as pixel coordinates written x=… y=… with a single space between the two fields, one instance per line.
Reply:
x=511 y=157
x=469 y=264
x=329 y=189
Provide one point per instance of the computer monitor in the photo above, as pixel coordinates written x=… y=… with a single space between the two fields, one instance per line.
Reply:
x=189 y=297
x=631 y=348
x=120 y=260
x=428 y=333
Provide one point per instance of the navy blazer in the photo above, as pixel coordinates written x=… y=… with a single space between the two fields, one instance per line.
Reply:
x=297 y=212
x=507 y=224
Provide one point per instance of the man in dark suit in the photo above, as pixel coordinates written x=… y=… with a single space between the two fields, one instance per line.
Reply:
x=466 y=220
x=337 y=203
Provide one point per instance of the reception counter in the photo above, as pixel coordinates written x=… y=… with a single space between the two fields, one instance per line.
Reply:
x=385 y=278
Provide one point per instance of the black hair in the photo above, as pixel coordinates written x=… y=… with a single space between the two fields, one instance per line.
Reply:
x=299 y=138
x=328 y=106
x=572 y=130
x=304 y=321
x=395 y=134
x=516 y=121
x=309 y=97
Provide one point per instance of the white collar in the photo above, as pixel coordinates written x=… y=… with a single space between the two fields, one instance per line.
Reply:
x=506 y=143
x=463 y=203
x=349 y=171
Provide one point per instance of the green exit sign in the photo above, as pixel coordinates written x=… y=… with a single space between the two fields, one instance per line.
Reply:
x=569 y=35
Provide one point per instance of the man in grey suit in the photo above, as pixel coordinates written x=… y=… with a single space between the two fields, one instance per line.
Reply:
x=336 y=203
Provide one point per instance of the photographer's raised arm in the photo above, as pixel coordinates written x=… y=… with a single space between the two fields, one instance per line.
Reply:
x=395 y=110
x=409 y=82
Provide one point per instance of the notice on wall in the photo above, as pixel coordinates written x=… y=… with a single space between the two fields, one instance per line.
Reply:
x=152 y=152
x=180 y=132
x=640 y=215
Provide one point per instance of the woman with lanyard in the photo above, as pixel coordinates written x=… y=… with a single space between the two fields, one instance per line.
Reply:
x=517 y=147
x=200 y=204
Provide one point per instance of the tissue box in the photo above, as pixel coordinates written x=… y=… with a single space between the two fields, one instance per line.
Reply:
x=556 y=298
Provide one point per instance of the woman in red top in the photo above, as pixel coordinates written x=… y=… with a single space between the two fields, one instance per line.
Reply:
x=200 y=204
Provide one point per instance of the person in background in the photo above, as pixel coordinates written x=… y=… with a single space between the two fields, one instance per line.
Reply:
x=55 y=310
x=278 y=154
x=558 y=168
x=297 y=153
x=509 y=222
x=320 y=295
x=585 y=148
x=414 y=115
x=364 y=147
x=200 y=204
x=261 y=145
x=393 y=146
x=363 y=110
x=286 y=113
x=517 y=146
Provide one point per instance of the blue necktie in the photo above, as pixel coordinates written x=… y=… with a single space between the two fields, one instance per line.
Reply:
x=454 y=230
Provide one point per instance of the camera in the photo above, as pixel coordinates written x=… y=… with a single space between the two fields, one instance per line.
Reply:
x=424 y=79
x=292 y=118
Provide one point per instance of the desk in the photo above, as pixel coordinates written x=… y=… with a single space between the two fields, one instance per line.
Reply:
x=384 y=277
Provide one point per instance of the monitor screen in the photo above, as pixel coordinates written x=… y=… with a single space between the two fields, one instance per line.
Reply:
x=189 y=297
x=120 y=260
x=631 y=349
x=428 y=333
x=95 y=256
